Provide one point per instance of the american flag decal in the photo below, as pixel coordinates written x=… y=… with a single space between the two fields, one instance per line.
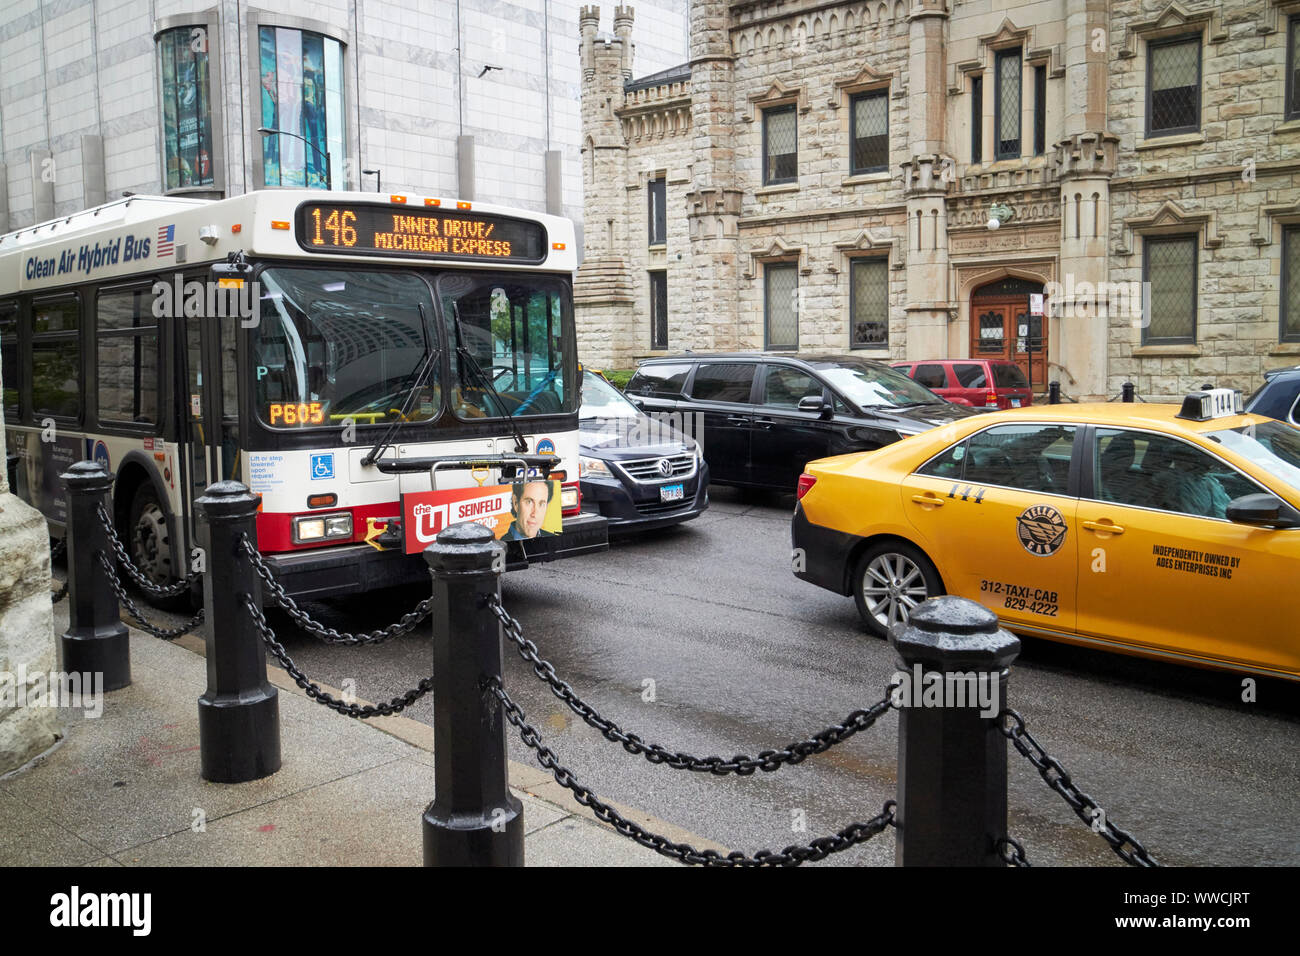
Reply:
x=166 y=240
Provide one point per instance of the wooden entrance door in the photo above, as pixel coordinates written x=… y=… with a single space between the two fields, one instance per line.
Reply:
x=1005 y=330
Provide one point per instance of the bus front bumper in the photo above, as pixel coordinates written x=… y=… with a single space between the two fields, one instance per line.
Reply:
x=356 y=568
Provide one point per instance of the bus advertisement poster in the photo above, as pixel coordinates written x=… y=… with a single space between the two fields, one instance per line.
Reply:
x=514 y=512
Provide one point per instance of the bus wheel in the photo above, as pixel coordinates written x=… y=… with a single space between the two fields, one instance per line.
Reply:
x=150 y=545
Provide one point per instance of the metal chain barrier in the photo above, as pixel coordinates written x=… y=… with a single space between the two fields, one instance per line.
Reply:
x=1012 y=852
x=741 y=764
x=818 y=849
x=329 y=635
x=314 y=691
x=166 y=634
x=57 y=549
x=1125 y=845
x=60 y=594
x=124 y=560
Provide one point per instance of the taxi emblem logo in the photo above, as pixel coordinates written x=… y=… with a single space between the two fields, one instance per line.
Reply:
x=1041 y=530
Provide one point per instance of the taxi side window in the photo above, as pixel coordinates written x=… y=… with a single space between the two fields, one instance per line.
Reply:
x=1164 y=474
x=948 y=465
x=1028 y=457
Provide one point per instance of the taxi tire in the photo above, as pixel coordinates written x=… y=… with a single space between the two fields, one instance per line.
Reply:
x=893 y=551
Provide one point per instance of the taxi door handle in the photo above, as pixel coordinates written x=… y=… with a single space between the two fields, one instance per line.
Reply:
x=928 y=499
x=1104 y=527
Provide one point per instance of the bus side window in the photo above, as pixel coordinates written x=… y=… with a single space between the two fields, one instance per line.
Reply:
x=11 y=372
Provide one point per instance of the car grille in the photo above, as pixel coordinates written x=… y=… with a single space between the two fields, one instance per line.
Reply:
x=647 y=469
x=652 y=509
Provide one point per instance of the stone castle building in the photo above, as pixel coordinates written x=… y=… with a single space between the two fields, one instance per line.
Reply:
x=824 y=176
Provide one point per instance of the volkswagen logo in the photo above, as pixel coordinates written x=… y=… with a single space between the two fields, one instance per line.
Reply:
x=665 y=467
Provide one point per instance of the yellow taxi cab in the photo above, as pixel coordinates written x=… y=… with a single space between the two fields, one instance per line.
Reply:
x=1157 y=530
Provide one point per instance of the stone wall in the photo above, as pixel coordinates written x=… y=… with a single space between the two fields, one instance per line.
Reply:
x=26 y=625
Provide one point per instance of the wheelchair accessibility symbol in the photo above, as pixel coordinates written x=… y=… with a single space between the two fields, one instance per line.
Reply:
x=322 y=466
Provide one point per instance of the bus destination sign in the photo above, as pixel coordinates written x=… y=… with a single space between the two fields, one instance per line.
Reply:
x=433 y=233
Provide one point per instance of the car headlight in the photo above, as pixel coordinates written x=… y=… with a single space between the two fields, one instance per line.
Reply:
x=592 y=468
x=309 y=528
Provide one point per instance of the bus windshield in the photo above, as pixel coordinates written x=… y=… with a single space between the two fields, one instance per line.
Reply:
x=340 y=344
x=507 y=339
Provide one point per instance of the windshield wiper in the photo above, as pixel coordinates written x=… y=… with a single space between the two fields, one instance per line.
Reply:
x=418 y=383
x=521 y=445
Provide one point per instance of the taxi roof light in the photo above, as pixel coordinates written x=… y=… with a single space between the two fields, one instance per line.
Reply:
x=1211 y=403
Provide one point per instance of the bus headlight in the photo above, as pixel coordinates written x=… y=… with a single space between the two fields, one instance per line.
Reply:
x=308 y=528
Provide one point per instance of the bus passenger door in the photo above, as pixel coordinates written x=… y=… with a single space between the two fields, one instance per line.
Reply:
x=200 y=395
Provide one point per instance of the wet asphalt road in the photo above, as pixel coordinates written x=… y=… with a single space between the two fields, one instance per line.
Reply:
x=744 y=657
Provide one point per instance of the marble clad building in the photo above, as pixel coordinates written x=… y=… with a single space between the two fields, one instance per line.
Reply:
x=822 y=176
x=470 y=98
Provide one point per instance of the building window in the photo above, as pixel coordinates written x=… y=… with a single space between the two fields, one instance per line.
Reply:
x=1040 y=110
x=1169 y=265
x=126 y=351
x=657 y=214
x=781 y=306
x=977 y=119
x=1007 y=122
x=869 y=131
x=56 y=358
x=869 y=302
x=780 y=152
x=302 y=94
x=1293 y=68
x=659 y=310
x=1291 y=284
x=186 y=107
x=1174 y=86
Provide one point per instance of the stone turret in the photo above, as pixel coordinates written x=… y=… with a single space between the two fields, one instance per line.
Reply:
x=602 y=287
x=714 y=203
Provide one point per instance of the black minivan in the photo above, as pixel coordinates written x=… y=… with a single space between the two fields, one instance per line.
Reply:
x=765 y=415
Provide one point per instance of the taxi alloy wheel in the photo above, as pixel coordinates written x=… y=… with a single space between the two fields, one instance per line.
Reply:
x=888 y=581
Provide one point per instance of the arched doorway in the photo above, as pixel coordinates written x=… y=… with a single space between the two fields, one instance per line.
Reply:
x=1003 y=326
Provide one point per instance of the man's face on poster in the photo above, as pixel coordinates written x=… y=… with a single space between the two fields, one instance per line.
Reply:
x=530 y=507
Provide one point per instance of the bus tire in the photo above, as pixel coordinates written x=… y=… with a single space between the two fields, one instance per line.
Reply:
x=148 y=542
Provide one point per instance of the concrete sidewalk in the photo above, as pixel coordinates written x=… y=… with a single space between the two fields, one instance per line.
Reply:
x=124 y=789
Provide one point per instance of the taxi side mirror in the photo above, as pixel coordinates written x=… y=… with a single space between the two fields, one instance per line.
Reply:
x=1262 y=509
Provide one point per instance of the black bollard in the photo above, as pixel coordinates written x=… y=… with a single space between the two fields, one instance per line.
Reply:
x=952 y=759
x=473 y=819
x=1053 y=393
x=1127 y=392
x=96 y=640
x=239 y=715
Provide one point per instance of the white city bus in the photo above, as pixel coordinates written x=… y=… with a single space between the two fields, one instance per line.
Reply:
x=325 y=350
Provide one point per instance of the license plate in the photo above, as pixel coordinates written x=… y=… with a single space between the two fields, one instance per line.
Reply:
x=1015 y=403
x=671 y=492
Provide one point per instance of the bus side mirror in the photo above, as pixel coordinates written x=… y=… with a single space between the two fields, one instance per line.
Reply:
x=238 y=269
x=1264 y=510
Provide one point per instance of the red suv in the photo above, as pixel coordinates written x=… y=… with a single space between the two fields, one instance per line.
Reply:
x=982 y=383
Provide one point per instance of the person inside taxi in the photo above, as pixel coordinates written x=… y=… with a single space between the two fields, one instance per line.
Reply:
x=1186 y=485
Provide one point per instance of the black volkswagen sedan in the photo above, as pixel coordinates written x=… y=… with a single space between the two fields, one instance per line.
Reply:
x=637 y=471
x=765 y=415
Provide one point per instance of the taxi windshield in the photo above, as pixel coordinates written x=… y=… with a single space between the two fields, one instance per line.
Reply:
x=1273 y=446
x=870 y=386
